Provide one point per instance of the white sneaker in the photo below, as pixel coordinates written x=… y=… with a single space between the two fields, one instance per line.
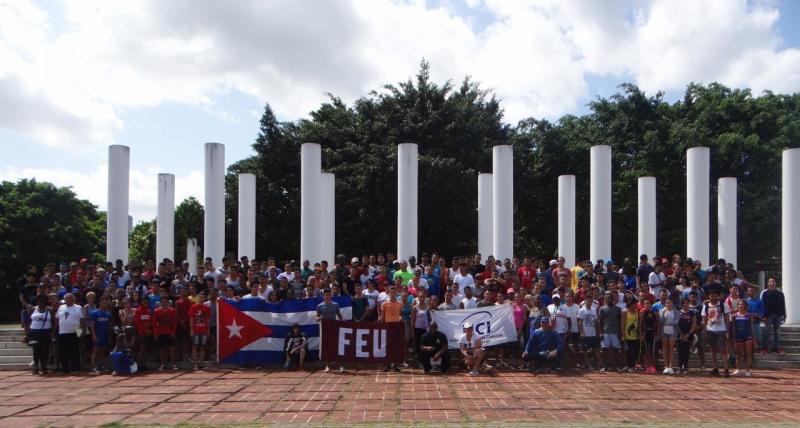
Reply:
x=671 y=370
x=341 y=369
x=736 y=372
x=666 y=371
x=327 y=369
x=747 y=374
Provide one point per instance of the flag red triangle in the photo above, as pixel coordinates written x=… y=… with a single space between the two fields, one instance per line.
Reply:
x=235 y=329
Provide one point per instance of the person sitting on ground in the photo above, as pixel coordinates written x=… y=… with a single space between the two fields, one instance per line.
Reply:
x=434 y=352
x=544 y=347
x=121 y=357
x=295 y=347
x=471 y=349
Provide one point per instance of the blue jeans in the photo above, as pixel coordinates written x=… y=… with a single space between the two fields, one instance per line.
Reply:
x=774 y=323
x=759 y=340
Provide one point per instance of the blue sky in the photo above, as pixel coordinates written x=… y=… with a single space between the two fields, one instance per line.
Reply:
x=165 y=77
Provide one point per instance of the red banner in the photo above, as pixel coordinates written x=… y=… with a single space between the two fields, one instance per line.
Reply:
x=362 y=342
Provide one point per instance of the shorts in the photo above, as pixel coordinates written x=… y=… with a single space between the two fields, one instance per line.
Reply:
x=164 y=342
x=716 y=339
x=181 y=332
x=199 y=339
x=591 y=342
x=574 y=337
x=611 y=340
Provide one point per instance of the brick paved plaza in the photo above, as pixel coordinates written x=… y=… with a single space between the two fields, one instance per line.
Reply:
x=227 y=397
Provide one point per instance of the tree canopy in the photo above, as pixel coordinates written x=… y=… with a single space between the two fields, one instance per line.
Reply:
x=456 y=127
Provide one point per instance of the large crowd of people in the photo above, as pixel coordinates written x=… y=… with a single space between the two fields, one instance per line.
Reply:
x=648 y=316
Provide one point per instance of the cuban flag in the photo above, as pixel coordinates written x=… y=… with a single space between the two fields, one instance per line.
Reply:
x=252 y=331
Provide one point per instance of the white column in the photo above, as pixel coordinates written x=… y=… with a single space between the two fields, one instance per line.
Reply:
x=165 y=221
x=407 y=187
x=327 y=247
x=485 y=214
x=647 y=216
x=502 y=202
x=566 y=219
x=214 y=217
x=119 y=165
x=790 y=233
x=310 y=170
x=726 y=220
x=698 y=169
x=191 y=254
x=600 y=203
x=247 y=216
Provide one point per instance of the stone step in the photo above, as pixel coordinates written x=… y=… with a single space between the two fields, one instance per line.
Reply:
x=16 y=352
x=13 y=345
x=15 y=359
x=14 y=366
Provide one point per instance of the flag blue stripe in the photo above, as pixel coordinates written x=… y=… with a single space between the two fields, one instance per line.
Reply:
x=254 y=358
x=287 y=306
x=280 y=331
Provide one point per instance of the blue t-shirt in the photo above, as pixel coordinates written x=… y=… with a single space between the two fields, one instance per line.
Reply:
x=154 y=299
x=102 y=321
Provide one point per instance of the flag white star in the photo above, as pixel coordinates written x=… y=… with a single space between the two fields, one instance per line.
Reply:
x=234 y=330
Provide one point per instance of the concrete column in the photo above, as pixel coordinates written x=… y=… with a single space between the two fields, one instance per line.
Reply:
x=790 y=234
x=165 y=221
x=327 y=248
x=600 y=203
x=407 y=189
x=726 y=220
x=502 y=202
x=214 y=216
x=698 y=170
x=566 y=219
x=247 y=215
x=191 y=254
x=310 y=170
x=119 y=165
x=485 y=214
x=647 y=216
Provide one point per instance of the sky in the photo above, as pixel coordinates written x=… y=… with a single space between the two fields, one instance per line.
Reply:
x=164 y=77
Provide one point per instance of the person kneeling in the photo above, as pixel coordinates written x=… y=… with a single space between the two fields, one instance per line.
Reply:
x=433 y=351
x=544 y=347
x=296 y=344
x=472 y=350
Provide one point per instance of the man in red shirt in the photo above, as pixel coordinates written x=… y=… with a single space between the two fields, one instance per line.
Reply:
x=182 y=341
x=526 y=274
x=199 y=316
x=165 y=324
x=142 y=320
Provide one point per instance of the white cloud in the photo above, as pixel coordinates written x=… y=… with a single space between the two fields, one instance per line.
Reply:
x=67 y=87
x=93 y=186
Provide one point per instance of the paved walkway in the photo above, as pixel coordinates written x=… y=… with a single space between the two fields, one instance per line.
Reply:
x=225 y=397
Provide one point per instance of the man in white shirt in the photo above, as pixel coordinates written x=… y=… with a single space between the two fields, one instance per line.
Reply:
x=463 y=279
x=255 y=293
x=468 y=301
x=656 y=280
x=68 y=323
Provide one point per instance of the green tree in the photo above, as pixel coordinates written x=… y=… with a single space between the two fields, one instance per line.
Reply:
x=188 y=224
x=142 y=243
x=41 y=223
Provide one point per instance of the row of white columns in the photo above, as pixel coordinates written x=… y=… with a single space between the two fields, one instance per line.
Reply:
x=697 y=210
x=496 y=206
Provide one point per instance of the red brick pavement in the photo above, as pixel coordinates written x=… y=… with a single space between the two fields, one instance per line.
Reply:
x=226 y=397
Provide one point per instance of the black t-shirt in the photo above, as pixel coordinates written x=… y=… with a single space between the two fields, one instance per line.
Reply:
x=437 y=340
x=28 y=291
x=349 y=285
x=644 y=271
x=479 y=268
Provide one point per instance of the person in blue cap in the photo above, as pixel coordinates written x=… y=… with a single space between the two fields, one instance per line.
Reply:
x=544 y=347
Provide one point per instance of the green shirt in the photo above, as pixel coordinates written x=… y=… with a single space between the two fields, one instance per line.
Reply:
x=407 y=275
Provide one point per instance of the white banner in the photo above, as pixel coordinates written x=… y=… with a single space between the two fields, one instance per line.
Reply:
x=493 y=324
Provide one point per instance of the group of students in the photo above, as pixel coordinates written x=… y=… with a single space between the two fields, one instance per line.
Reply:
x=567 y=314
